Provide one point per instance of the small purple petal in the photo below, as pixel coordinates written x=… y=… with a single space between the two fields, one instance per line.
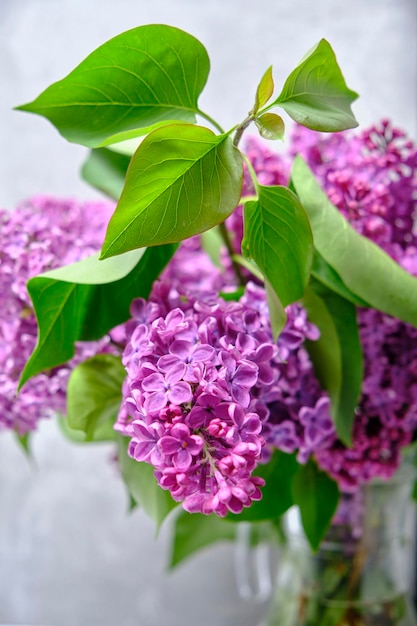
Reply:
x=169 y=444
x=154 y=382
x=180 y=393
x=182 y=459
x=155 y=402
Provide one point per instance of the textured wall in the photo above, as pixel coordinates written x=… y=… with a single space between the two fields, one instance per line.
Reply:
x=41 y=40
x=69 y=556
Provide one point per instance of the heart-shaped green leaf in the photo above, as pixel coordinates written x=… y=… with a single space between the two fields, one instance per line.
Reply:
x=85 y=300
x=143 y=76
x=337 y=355
x=106 y=170
x=315 y=93
x=104 y=432
x=182 y=180
x=94 y=393
x=364 y=267
x=317 y=496
x=278 y=238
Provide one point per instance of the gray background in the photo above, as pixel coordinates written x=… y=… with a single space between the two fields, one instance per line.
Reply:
x=69 y=553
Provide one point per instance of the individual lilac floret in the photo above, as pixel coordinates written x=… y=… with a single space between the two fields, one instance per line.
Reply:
x=318 y=427
x=37 y=236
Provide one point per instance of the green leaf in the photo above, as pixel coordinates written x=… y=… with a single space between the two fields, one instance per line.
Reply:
x=194 y=531
x=103 y=432
x=278 y=238
x=276 y=494
x=315 y=93
x=24 y=443
x=232 y=296
x=277 y=314
x=270 y=126
x=128 y=142
x=94 y=394
x=182 y=181
x=366 y=270
x=326 y=275
x=337 y=355
x=213 y=244
x=249 y=265
x=317 y=496
x=75 y=436
x=83 y=301
x=144 y=76
x=142 y=486
x=106 y=170
x=264 y=91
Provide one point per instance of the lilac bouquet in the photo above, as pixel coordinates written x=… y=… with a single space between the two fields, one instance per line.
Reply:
x=249 y=319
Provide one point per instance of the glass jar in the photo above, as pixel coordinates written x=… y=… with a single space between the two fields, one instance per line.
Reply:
x=362 y=573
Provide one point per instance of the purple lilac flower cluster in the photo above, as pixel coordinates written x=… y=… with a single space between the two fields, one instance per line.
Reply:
x=371 y=177
x=37 y=236
x=386 y=417
x=209 y=394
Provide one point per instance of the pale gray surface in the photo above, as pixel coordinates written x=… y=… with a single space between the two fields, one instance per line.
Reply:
x=69 y=556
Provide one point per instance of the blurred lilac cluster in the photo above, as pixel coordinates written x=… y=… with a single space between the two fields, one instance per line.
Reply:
x=41 y=234
x=386 y=417
x=371 y=177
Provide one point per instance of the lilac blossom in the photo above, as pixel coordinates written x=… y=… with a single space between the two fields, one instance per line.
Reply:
x=204 y=380
x=39 y=235
x=166 y=387
x=371 y=177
